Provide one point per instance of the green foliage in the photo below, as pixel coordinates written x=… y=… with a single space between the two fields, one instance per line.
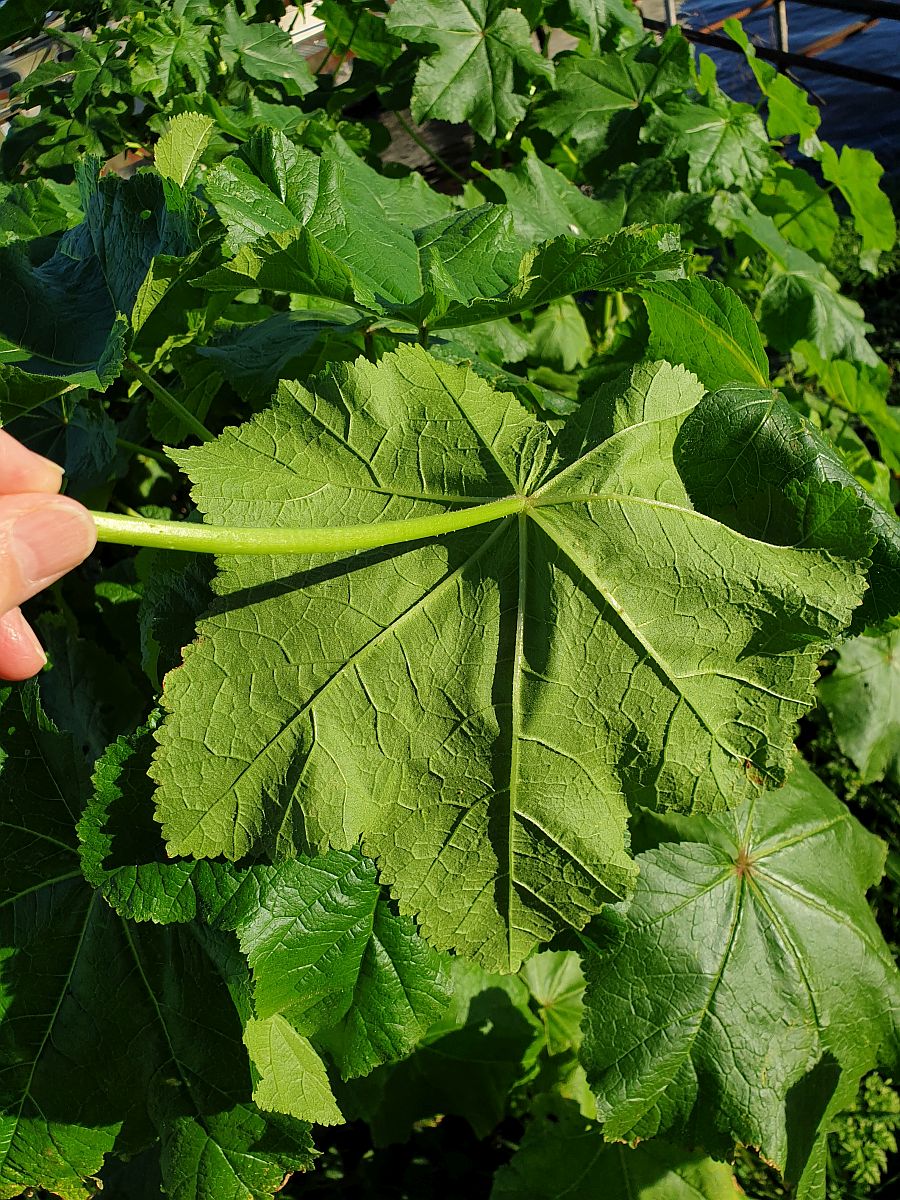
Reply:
x=442 y=809
x=755 y=926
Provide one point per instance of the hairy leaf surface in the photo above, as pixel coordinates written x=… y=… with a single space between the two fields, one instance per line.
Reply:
x=475 y=708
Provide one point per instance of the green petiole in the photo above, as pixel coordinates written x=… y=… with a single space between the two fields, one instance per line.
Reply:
x=339 y=539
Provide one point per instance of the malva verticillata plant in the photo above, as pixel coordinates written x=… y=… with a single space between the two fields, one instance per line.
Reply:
x=420 y=744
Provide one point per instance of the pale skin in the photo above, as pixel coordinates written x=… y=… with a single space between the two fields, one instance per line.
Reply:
x=42 y=536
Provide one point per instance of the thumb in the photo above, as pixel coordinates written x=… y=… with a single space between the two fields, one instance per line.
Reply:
x=41 y=537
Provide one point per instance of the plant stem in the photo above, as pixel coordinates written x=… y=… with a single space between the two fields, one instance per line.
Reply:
x=432 y=154
x=164 y=396
x=144 y=451
x=339 y=539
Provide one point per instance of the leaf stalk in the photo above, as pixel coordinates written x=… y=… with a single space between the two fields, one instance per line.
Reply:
x=340 y=539
x=172 y=403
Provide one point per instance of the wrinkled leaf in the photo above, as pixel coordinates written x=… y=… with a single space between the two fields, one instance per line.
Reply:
x=608 y=565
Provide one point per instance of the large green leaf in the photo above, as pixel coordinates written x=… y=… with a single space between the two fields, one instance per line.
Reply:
x=265 y=52
x=738 y=451
x=168 y=1062
x=748 y=987
x=562 y=1154
x=66 y=317
x=344 y=207
x=598 y=99
x=325 y=951
x=724 y=142
x=481 y=46
x=862 y=698
x=489 y=698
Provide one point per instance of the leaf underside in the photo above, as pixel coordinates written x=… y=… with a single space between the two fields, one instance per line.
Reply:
x=609 y=641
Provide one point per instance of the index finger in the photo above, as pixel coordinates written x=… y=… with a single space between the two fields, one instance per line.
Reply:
x=21 y=470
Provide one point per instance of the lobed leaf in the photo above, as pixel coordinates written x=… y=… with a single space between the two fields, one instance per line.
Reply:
x=719 y=1004
x=658 y=632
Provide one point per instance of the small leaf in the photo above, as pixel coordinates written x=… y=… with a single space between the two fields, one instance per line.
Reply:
x=862 y=698
x=856 y=174
x=291 y=1078
x=790 y=111
x=560 y=337
x=556 y=982
x=181 y=147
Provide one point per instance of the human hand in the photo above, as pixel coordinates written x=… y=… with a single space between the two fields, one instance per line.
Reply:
x=42 y=535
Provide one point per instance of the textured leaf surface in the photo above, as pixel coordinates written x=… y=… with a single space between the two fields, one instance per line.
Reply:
x=180 y=148
x=170 y=1063
x=862 y=697
x=725 y=142
x=597 y=101
x=607 y=641
x=344 y=207
x=325 y=950
x=238 y=1155
x=726 y=998
x=708 y=329
x=471 y=75
x=266 y=52
x=742 y=447
x=562 y=1154
x=66 y=317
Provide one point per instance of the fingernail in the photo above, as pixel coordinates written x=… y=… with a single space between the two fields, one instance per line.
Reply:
x=19 y=629
x=51 y=539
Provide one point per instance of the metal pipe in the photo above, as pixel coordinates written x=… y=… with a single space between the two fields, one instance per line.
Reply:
x=671 y=13
x=868 y=8
x=823 y=66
